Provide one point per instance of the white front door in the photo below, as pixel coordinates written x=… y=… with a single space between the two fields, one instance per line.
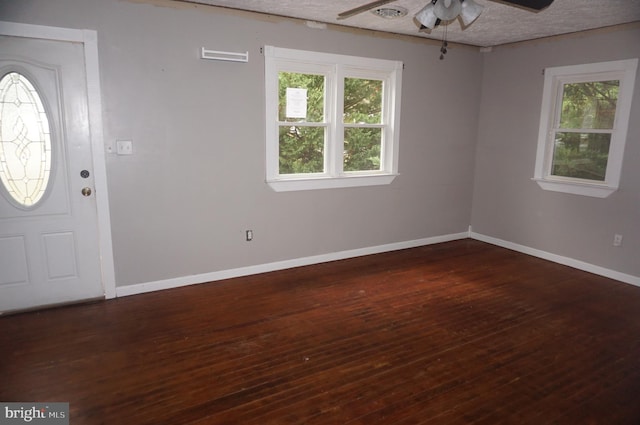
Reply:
x=49 y=246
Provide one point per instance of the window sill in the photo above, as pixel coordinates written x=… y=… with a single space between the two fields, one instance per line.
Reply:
x=313 y=183
x=596 y=190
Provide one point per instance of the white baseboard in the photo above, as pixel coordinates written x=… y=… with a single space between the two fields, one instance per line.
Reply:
x=140 y=288
x=576 y=264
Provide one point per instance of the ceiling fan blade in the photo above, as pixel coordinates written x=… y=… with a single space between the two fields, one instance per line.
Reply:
x=363 y=8
x=535 y=5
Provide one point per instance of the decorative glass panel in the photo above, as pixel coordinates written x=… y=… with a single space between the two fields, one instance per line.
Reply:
x=362 y=101
x=362 y=148
x=25 y=140
x=589 y=105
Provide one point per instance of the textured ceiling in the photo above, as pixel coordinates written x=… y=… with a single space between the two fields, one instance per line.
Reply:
x=498 y=24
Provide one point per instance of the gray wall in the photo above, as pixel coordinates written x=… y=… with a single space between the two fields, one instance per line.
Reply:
x=506 y=203
x=181 y=203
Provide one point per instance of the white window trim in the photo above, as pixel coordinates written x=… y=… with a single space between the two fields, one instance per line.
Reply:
x=335 y=67
x=554 y=79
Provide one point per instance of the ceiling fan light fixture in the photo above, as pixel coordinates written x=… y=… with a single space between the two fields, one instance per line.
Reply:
x=427 y=17
x=447 y=10
x=470 y=10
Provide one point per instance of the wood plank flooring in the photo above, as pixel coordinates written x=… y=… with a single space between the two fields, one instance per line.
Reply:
x=455 y=333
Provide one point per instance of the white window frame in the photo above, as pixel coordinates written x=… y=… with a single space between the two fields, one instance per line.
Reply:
x=335 y=68
x=554 y=81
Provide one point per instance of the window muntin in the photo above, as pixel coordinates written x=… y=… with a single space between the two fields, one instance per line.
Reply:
x=25 y=141
x=583 y=125
x=336 y=119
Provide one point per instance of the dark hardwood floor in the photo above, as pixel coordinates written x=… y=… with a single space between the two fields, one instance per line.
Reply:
x=455 y=333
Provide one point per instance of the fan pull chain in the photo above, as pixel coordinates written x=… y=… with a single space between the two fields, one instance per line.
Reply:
x=443 y=49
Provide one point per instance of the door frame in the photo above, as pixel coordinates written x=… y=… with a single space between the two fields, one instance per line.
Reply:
x=89 y=39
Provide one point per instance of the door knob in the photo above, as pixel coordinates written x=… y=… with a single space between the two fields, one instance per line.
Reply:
x=86 y=191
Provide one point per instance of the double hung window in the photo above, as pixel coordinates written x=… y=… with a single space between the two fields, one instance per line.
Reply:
x=331 y=120
x=583 y=127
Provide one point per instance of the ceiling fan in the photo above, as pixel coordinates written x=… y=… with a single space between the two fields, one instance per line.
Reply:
x=437 y=11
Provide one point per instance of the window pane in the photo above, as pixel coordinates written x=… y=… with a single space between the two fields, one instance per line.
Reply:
x=304 y=101
x=589 y=105
x=25 y=140
x=581 y=155
x=362 y=148
x=362 y=101
x=301 y=149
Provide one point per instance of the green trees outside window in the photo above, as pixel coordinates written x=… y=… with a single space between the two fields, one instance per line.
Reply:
x=582 y=142
x=362 y=106
x=584 y=120
x=302 y=140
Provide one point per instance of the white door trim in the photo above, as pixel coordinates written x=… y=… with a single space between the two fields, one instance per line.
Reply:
x=92 y=69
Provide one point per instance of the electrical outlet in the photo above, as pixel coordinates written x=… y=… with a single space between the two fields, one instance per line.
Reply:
x=249 y=235
x=617 y=240
x=124 y=147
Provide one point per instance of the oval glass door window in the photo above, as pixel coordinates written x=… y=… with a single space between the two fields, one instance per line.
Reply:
x=25 y=141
